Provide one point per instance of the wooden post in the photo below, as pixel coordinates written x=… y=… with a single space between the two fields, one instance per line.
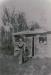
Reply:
x=33 y=46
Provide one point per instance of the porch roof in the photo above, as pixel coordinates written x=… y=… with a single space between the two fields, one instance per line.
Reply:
x=35 y=32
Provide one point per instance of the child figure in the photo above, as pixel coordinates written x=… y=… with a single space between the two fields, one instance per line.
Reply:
x=21 y=46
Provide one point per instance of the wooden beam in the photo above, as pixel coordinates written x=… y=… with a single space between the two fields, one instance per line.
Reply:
x=33 y=46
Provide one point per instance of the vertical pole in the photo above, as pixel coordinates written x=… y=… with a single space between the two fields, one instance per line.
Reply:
x=33 y=46
x=13 y=39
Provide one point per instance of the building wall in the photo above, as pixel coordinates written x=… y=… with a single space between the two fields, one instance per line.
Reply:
x=41 y=49
x=48 y=45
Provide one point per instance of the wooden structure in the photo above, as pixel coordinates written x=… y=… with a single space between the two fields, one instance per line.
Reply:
x=32 y=34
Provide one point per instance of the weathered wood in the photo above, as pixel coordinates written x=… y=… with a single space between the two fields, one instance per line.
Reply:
x=33 y=46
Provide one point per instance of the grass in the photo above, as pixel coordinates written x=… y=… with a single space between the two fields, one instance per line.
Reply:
x=35 y=66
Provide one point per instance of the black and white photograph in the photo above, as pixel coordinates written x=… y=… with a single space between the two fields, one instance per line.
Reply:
x=25 y=37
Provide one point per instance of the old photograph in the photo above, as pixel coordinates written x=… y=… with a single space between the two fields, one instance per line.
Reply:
x=25 y=37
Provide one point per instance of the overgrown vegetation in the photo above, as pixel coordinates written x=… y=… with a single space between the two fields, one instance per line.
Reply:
x=14 y=22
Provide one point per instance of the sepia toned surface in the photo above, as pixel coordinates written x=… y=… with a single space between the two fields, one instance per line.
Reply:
x=25 y=37
x=9 y=66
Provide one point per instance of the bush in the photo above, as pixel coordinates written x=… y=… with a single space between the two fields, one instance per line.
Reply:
x=7 y=48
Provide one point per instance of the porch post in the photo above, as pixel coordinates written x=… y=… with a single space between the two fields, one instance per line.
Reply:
x=33 y=46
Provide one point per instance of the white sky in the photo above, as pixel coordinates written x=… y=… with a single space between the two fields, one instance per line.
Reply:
x=1 y=1
x=35 y=10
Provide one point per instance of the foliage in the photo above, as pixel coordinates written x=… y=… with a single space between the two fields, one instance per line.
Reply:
x=35 y=26
x=2 y=34
x=16 y=22
x=6 y=36
x=22 y=22
x=6 y=16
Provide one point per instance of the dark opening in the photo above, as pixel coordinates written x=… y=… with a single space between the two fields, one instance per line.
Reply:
x=43 y=39
x=33 y=46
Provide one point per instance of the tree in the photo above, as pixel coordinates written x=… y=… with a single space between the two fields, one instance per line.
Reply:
x=14 y=22
x=35 y=26
x=2 y=34
x=7 y=42
x=22 y=22
x=6 y=16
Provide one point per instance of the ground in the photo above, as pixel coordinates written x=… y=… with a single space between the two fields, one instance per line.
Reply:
x=35 y=66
